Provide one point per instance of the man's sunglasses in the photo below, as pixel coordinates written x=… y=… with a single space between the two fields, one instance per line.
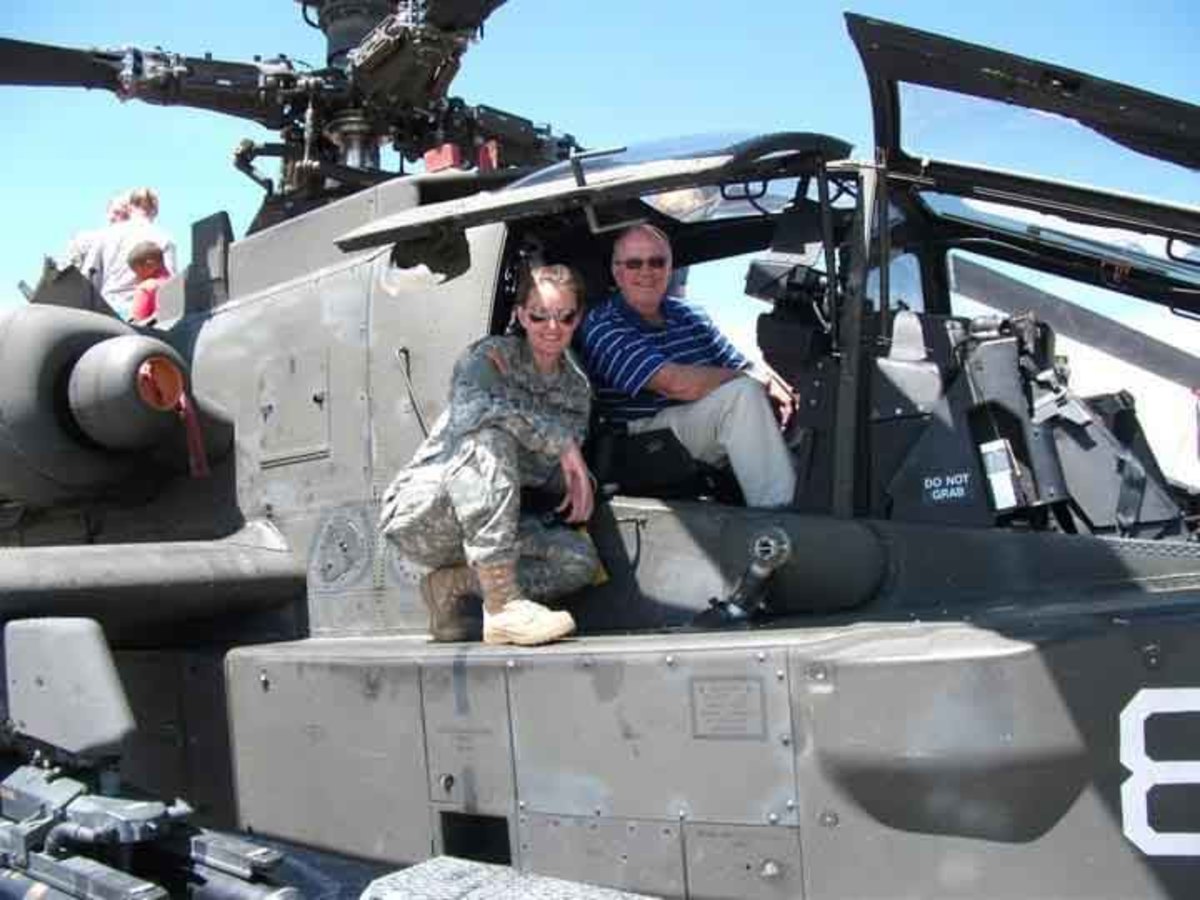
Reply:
x=562 y=317
x=634 y=263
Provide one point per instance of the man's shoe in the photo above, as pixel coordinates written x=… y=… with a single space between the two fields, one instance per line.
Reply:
x=452 y=597
x=526 y=623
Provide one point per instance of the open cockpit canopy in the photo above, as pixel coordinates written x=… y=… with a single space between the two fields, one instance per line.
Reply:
x=1040 y=156
x=599 y=179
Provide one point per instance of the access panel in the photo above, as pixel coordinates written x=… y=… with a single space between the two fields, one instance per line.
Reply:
x=329 y=748
x=687 y=735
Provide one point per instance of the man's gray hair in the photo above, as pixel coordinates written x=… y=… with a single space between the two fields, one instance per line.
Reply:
x=645 y=227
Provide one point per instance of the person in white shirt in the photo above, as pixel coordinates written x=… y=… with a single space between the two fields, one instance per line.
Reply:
x=82 y=242
x=107 y=260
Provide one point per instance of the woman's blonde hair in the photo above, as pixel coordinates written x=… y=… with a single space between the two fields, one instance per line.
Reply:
x=533 y=276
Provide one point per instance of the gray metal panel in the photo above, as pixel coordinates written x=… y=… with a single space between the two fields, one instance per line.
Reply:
x=467 y=738
x=281 y=467
x=633 y=855
x=330 y=751
x=357 y=584
x=420 y=325
x=294 y=402
x=667 y=559
x=304 y=244
x=644 y=735
x=677 y=551
x=747 y=862
x=62 y=685
x=961 y=762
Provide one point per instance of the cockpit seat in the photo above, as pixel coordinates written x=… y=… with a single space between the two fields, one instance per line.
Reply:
x=654 y=464
x=909 y=383
x=908 y=338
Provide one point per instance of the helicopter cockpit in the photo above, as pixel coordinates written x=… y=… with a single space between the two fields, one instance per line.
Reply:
x=966 y=419
x=934 y=391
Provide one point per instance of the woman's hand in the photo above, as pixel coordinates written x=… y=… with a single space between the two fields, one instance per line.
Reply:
x=577 y=504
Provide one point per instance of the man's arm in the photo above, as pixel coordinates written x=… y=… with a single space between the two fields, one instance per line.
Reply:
x=677 y=381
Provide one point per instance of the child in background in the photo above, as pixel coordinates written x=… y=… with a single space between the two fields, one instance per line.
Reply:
x=146 y=261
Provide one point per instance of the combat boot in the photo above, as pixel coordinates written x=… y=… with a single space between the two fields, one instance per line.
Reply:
x=511 y=618
x=451 y=595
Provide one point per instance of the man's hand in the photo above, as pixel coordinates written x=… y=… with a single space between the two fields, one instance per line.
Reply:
x=577 y=504
x=785 y=400
x=782 y=395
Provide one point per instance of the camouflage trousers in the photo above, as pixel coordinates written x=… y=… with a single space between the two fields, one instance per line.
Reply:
x=468 y=509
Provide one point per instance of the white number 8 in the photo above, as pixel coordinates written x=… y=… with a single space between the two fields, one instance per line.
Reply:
x=1147 y=772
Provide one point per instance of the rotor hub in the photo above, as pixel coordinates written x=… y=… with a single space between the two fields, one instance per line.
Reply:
x=345 y=23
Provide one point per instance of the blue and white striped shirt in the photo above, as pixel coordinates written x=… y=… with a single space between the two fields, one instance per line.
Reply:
x=622 y=351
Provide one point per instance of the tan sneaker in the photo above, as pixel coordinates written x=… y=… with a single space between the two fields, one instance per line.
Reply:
x=451 y=595
x=526 y=623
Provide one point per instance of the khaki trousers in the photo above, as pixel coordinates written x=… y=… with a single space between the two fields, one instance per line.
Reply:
x=735 y=423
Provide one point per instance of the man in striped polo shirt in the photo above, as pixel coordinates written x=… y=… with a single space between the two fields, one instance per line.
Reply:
x=657 y=361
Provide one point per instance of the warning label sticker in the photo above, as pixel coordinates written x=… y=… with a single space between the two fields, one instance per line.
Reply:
x=950 y=487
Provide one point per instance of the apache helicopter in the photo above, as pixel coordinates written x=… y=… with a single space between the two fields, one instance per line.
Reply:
x=962 y=665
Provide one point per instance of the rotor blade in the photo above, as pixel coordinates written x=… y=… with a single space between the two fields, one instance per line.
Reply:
x=25 y=63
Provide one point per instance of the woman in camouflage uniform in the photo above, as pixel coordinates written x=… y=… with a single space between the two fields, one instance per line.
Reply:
x=517 y=416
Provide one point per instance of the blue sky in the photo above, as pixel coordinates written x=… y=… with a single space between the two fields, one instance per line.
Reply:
x=611 y=73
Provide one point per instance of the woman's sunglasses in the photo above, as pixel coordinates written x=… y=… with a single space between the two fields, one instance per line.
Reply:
x=634 y=263
x=562 y=316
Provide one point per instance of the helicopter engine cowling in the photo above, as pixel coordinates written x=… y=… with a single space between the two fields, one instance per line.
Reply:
x=78 y=391
x=123 y=391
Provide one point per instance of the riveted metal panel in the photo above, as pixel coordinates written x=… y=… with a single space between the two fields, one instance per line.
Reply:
x=420 y=325
x=330 y=752
x=703 y=735
x=466 y=727
x=634 y=855
x=747 y=862
x=304 y=244
x=1000 y=778
x=302 y=421
x=357 y=583
x=294 y=402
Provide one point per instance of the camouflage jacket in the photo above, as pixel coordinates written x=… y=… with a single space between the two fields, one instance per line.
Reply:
x=543 y=412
